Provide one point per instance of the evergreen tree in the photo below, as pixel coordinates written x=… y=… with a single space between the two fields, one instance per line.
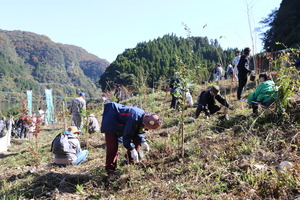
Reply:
x=157 y=58
x=284 y=26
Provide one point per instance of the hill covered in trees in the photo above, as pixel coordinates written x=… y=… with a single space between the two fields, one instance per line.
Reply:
x=157 y=60
x=32 y=61
x=284 y=26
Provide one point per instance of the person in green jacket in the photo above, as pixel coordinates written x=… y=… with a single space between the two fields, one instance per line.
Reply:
x=264 y=94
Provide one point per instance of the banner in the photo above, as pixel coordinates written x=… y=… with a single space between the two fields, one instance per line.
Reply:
x=50 y=109
x=29 y=102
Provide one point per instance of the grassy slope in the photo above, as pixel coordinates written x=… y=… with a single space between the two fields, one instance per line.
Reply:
x=235 y=159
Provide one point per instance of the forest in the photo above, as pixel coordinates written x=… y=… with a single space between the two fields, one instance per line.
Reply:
x=29 y=61
x=156 y=60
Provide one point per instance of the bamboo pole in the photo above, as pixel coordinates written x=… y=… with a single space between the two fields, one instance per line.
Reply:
x=87 y=133
x=231 y=82
x=64 y=116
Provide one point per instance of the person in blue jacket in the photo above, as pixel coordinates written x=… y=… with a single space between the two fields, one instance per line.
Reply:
x=129 y=123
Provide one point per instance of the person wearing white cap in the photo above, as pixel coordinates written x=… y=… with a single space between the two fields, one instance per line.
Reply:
x=129 y=123
x=93 y=124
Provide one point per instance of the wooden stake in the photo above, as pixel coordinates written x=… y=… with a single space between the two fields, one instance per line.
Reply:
x=64 y=116
x=87 y=133
x=231 y=82
x=242 y=105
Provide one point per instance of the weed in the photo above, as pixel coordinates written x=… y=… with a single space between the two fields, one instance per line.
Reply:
x=219 y=162
x=287 y=83
x=79 y=188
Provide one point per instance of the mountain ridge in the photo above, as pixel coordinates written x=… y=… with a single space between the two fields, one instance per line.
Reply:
x=32 y=61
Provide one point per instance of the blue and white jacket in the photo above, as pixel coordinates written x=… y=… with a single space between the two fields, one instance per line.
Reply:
x=124 y=121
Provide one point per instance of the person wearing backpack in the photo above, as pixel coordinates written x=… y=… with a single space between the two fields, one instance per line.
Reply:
x=66 y=148
x=207 y=103
x=130 y=123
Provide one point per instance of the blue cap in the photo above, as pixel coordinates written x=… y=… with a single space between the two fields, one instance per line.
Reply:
x=82 y=94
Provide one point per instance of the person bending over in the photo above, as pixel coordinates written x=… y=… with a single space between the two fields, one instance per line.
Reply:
x=129 y=123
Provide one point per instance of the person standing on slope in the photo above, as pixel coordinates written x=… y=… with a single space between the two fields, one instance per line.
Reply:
x=78 y=106
x=244 y=71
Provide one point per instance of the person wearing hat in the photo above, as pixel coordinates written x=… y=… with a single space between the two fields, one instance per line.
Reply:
x=75 y=155
x=93 y=125
x=130 y=123
x=244 y=71
x=77 y=107
x=207 y=102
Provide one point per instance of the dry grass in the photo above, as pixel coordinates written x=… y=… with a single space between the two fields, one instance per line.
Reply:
x=235 y=159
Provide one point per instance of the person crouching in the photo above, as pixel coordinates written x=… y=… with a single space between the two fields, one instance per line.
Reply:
x=265 y=93
x=207 y=103
x=66 y=148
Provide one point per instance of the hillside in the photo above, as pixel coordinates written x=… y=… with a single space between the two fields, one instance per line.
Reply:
x=32 y=61
x=235 y=159
x=156 y=61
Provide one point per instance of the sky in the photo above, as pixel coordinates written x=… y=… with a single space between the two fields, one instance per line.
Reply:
x=106 y=28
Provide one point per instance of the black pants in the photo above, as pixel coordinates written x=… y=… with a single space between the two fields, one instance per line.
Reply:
x=242 y=84
x=24 y=131
x=255 y=105
x=173 y=102
x=211 y=109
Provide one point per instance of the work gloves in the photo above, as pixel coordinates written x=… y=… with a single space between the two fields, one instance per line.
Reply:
x=145 y=146
x=135 y=156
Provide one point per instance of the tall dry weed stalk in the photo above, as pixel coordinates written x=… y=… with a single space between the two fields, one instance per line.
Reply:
x=286 y=79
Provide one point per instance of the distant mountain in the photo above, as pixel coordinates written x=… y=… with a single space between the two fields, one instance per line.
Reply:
x=32 y=61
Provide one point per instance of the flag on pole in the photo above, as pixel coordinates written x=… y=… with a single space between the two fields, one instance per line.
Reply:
x=29 y=102
x=50 y=109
